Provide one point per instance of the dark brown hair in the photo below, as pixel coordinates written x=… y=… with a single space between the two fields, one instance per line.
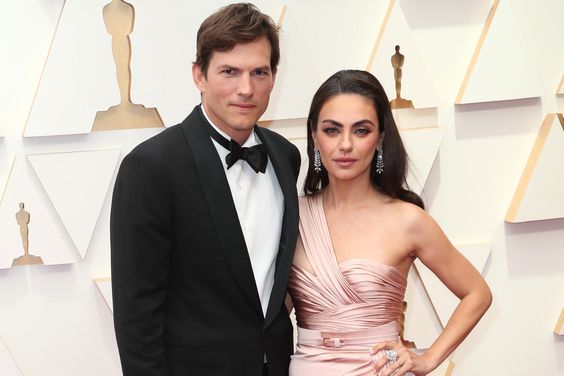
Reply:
x=392 y=181
x=235 y=24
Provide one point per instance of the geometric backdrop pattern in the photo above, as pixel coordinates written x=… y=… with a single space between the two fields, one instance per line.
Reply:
x=7 y=365
x=500 y=69
x=6 y=165
x=416 y=82
x=442 y=299
x=71 y=90
x=318 y=38
x=45 y=238
x=422 y=145
x=539 y=194
x=559 y=327
x=347 y=42
x=77 y=184
x=105 y=287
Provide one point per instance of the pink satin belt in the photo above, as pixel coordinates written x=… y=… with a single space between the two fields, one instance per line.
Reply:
x=386 y=332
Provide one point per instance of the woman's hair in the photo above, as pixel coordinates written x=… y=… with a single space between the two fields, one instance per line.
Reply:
x=235 y=24
x=392 y=181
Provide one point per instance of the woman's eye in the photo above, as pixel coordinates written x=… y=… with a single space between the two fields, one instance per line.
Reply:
x=331 y=130
x=362 y=131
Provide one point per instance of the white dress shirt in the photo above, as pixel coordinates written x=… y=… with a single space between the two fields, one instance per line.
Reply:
x=260 y=206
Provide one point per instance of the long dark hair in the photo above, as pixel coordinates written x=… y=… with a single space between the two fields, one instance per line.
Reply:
x=392 y=181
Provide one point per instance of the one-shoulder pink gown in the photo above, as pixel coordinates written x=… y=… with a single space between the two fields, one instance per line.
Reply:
x=342 y=309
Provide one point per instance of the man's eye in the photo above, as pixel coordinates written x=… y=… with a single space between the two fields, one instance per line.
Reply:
x=260 y=72
x=227 y=71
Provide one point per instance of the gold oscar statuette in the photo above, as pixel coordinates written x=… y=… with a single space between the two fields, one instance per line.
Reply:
x=23 y=217
x=119 y=19
x=397 y=62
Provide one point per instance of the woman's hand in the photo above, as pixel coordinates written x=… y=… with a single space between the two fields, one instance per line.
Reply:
x=397 y=360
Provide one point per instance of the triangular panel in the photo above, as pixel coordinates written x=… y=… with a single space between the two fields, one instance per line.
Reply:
x=443 y=300
x=344 y=41
x=422 y=326
x=416 y=83
x=105 y=287
x=500 y=68
x=422 y=147
x=77 y=184
x=8 y=366
x=559 y=327
x=27 y=30
x=543 y=176
x=560 y=89
x=6 y=167
x=46 y=233
x=73 y=89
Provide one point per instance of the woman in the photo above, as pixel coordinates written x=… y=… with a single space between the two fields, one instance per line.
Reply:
x=360 y=231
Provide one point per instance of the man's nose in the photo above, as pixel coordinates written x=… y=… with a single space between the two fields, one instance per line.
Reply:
x=245 y=85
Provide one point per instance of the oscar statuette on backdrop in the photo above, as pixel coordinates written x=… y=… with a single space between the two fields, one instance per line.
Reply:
x=397 y=62
x=119 y=17
x=23 y=218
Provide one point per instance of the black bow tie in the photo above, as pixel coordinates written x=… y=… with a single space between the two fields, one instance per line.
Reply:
x=255 y=156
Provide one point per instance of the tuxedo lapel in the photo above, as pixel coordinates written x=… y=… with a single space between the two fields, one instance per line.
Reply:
x=286 y=179
x=221 y=205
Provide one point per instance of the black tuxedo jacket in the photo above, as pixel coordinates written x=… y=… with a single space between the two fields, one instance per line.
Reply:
x=184 y=295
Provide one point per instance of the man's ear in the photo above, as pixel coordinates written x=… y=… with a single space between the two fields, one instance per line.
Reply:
x=199 y=78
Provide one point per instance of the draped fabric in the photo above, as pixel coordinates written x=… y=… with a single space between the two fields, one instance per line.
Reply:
x=342 y=309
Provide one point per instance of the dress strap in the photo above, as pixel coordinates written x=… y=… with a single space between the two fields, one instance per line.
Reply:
x=318 y=248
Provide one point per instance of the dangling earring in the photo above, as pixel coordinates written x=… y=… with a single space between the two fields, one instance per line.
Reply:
x=316 y=161
x=380 y=161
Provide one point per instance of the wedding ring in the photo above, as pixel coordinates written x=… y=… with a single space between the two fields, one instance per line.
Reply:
x=391 y=355
x=409 y=374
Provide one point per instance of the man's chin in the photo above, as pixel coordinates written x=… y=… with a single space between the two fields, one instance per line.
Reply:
x=247 y=124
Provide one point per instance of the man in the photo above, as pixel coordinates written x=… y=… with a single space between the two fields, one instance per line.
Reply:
x=202 y=241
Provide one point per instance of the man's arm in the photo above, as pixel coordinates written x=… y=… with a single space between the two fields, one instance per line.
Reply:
x=141 y=241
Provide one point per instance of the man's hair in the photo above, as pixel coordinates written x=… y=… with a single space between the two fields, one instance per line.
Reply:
x=235 y=24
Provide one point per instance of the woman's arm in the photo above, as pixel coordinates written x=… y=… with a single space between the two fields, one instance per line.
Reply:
x=459 y=276
x=432 y=247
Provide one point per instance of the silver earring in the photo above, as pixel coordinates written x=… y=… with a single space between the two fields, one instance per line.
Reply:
x=380 y=161
x=316 y=161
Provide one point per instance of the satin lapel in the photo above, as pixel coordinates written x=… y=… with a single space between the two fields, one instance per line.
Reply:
x=285 y=175
x=221 y=206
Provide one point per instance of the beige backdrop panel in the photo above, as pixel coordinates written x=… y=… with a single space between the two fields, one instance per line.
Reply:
x=468 y=189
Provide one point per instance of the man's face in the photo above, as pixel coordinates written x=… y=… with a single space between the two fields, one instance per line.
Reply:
x=237 y=88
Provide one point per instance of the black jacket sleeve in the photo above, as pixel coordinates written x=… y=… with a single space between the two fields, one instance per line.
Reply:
x=141 y=239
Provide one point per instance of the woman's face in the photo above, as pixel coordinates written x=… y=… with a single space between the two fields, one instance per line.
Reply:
x=347 y=136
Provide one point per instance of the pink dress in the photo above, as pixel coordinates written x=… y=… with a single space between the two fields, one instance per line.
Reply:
x=342 y=309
